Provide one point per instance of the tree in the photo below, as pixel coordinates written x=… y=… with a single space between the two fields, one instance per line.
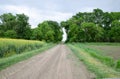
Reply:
x=10 y=34
x=98 y=16
x=22 y=28
x=115 y=31
x=17 y=24
x=91 y=32
x=8 y=21
x=49 y=31
x=37 y=34
x=73 y=33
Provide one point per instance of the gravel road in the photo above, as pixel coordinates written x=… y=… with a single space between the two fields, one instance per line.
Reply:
x=55 y=63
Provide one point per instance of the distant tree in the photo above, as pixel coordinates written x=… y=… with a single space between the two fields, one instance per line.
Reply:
x=49 y=31
x=1 y=33
x=98 y=16
x=7 y=21
x=10 y=34
x=73 y=33
x=115 y=15
x=91 y=32
x=15 y=24
x=115 y=31
x=22 y=28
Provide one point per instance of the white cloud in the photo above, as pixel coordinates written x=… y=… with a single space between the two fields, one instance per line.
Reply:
x=36 y=15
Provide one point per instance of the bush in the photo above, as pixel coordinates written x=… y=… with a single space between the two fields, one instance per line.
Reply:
x=118 y=64
x=10 y=34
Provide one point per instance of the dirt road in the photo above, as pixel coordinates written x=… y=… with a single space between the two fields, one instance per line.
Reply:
x=55 y=63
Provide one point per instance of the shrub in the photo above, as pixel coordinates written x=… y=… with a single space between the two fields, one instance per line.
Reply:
x=118 y=64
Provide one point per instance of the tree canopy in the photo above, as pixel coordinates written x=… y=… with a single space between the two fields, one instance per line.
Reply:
x=96 y=26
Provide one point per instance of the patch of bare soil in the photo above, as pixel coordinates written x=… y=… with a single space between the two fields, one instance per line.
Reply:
x=113 y=51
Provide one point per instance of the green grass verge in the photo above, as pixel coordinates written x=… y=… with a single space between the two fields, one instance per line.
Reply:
x=101 y=70
x=8 y=61
x=108 y=60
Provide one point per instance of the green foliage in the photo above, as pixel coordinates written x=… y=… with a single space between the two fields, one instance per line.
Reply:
x=118 y=65
x=49 y=31
x=91 y=32
x=115 y=31
x=10 y=34
x=15 y=26
x=8 y=21
x=1 y=33
x=96 y=26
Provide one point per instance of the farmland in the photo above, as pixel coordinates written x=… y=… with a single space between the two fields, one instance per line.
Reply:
x=103 y=65
x=110 y=49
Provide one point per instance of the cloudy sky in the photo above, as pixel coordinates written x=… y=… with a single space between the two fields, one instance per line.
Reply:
x=57 y=10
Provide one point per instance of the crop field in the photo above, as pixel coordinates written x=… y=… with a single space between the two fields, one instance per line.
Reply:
x=10 y=47
x=103 y=65
x=110 y=49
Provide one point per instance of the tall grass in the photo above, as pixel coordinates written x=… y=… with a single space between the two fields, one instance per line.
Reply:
x=9 y=47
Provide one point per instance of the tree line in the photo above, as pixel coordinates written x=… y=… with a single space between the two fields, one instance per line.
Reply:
x=17 y=26
x=96 y=26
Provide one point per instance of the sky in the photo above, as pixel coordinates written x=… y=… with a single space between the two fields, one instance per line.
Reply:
x=57 y=10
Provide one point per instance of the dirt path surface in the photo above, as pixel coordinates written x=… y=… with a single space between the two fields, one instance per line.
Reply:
x=55 y=63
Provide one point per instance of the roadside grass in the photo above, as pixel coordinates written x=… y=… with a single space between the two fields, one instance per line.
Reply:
x=108 y=60
x=8 y=61
x=93 y=64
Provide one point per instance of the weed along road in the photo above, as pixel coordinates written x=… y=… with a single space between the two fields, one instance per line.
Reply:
x=55 y=63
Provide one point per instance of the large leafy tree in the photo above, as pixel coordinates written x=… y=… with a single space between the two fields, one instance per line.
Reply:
x=22 y=28
x=115 y=31
x=8 y=21
x=16 y=25
x=49 y=31
x=91 y=32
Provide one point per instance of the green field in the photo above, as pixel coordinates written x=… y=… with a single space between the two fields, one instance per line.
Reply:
x=100 y=63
